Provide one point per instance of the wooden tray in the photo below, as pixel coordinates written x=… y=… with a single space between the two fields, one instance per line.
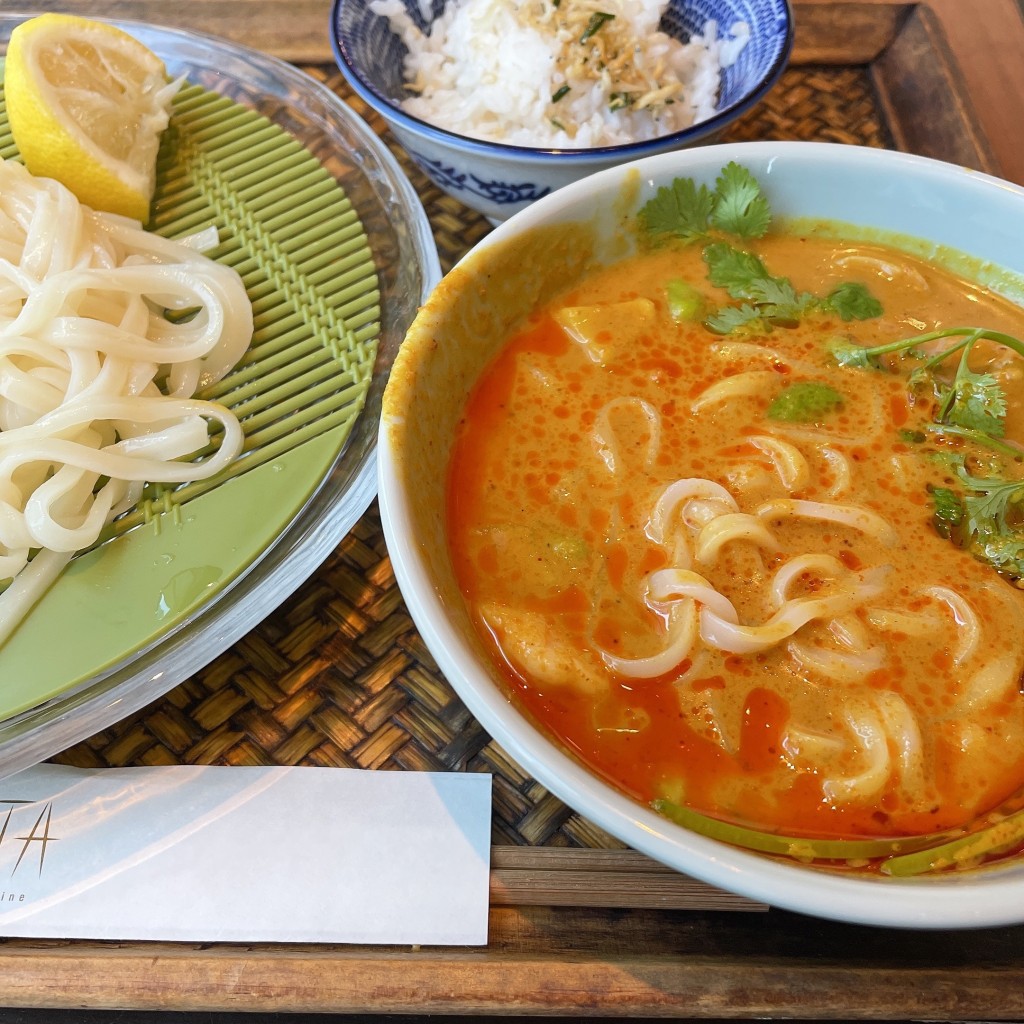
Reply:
x=339 y=676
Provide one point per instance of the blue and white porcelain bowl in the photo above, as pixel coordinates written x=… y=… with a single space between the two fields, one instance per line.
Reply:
x=497 y=179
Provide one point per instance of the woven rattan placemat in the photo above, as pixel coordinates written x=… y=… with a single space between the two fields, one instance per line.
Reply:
x=338 y=674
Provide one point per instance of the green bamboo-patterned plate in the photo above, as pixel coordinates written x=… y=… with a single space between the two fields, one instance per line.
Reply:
x=336 y=255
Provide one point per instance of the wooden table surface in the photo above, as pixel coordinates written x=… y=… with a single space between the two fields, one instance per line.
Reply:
x=636 y=962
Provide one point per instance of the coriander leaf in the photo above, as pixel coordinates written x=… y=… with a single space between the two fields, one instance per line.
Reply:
x=978 y=404
x=744 y=276
x=777 y=291
x=920 y=381
x=734 y=270
x=974 y=400
x=741 y=207
x=1004 y=552
x=853 y=301
x=848 y=353
x=806 y=401
x=993 y=525
x=735 y=318
x=682 y=209
x=989 y=505
x=993 y=509
x=988 y=520
x=779 y=300
x=949 y=509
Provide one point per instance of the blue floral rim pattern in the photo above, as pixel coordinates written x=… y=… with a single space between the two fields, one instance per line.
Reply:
x=502 y=193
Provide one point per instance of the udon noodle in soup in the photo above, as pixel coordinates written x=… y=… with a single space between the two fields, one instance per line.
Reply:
x=735 y=569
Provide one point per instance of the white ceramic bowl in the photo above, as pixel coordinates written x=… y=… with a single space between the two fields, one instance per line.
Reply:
x=910 y=196
x=498 y=180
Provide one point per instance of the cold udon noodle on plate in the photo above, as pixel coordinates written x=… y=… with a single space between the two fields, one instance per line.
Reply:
x=740 y=523
x=106 y=333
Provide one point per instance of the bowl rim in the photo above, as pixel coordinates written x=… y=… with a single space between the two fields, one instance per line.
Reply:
x=980 y=899
x=390 y=110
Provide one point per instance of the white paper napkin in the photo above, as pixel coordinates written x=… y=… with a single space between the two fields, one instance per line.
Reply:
x=245 y=854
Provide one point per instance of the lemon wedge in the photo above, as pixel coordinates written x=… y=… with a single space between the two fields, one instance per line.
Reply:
x=87 y=104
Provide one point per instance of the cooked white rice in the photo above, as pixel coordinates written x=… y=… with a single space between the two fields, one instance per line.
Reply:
x=519 y=71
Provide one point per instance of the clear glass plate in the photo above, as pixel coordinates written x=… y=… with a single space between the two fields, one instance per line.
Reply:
x=407 y=265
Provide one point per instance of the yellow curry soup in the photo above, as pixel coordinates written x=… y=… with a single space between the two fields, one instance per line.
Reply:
x=751 y=615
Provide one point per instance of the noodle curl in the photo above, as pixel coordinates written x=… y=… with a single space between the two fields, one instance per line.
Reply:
x=106 y=333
